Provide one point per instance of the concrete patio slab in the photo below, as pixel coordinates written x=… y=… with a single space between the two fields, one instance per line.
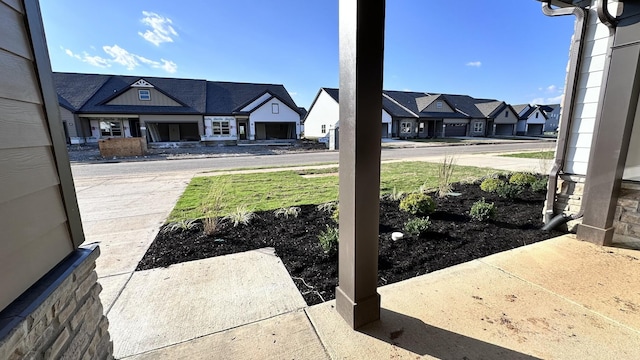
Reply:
x=167 y=306
x=288 y=336
x=124 y=224
x=585 y=277
x=472 y=311
x=111 y=288
x=121 y=257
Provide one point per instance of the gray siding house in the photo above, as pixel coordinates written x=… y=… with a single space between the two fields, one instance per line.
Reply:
x=407 y=114
x=170 y=110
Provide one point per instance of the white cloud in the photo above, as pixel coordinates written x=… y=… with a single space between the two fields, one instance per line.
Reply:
x=169 y=66
x=96 y=61
x=161 y=29
x=122 y=56
x=551 y=88
x=556 y=99
x=537 y=101
x=474 y=63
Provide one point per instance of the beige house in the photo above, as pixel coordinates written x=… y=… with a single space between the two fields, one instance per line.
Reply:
x=177 y=111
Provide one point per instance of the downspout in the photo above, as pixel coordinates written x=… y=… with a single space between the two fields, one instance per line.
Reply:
x=581 y=24
x=577 y=48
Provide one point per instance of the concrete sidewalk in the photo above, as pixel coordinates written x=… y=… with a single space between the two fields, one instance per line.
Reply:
x=556 y=299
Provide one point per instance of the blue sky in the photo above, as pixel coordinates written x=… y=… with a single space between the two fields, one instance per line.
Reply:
x=501 y=49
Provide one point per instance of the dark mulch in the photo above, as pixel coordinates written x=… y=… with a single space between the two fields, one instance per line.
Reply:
x=452 y=239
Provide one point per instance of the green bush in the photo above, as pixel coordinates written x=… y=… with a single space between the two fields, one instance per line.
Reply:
x=522 y=179
x=336 y=214
x=509 y=191
x=491 y=185
x=539 y=185
x=329 y=238
x=418 y=204
x=482 y=210
x=417 y=226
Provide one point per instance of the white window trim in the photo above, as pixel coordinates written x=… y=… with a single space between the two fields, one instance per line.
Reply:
x=438 y=104
x=405 y=127
x=478 y=127
x=323 y=129
x=275 y=108
x=220 y=128
x=144 y=98
x=109 y=122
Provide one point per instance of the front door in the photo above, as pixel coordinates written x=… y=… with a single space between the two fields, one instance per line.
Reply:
x=242 y=131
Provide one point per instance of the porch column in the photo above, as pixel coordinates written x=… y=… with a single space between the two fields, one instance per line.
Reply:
x=610 y=143
x=361 y=62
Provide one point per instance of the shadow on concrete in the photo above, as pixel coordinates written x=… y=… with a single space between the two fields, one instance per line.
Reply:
x=414 y=335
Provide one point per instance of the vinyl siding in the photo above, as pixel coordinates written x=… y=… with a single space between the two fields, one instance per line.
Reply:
x=32 y=214
x=325 y=111
x=130 y=97
x=587 y=95
x=433 y=107
x=502 y=119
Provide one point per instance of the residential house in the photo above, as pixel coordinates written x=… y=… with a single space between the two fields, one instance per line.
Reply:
x=171 y=110
x=553 y=117
x=407 y=114
x=531 y=120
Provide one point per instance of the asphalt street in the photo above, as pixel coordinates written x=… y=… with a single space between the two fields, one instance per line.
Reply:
x=133 y=168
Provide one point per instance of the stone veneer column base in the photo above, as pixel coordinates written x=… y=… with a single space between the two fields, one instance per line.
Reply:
x=626 y=221
x=568 y=198
x=60 y=316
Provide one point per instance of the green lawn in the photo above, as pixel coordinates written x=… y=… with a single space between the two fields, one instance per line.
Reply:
x=274 y=190
x=533 y=155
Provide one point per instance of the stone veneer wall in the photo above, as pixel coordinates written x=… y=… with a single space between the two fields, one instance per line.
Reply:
x=627 y=217
x=569 y=197
x=60 y=317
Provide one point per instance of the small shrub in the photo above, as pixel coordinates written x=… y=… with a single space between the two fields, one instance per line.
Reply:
x=211 y=225
x=327 y=207
x=539 y=185
x=509 y=191
x=491 y=185
x=417 y=226
x=182 y=225
x=482 y=211
x=293 y=212
x=522 y=179
x=336 y=215
x=329 y=238
x=418 y=204
x=241 y=216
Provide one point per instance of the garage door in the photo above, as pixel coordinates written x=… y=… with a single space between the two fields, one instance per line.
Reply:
x=534 y=129
x=504 y=129
x=455 y=130
x=385 y=130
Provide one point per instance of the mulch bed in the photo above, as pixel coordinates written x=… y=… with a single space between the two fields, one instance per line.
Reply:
x=453 y=238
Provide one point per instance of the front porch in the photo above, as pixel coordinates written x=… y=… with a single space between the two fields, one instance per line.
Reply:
x=557 y=299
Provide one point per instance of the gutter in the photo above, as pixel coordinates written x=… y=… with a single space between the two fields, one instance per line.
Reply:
x=577 y=48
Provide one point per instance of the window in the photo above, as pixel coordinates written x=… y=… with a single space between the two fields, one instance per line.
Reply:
x=144 y=95
x=421 y=128
x=506 y=113
x=220 y=128
x=323 y=129
x=536 y=115
x=438 y=104
x=110 y=128
x=405 y=128
x=478 y=127
x=275 y=108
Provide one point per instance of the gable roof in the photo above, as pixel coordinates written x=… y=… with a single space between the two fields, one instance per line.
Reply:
x=519 y=108
x=230 y=97
x=90 y=93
